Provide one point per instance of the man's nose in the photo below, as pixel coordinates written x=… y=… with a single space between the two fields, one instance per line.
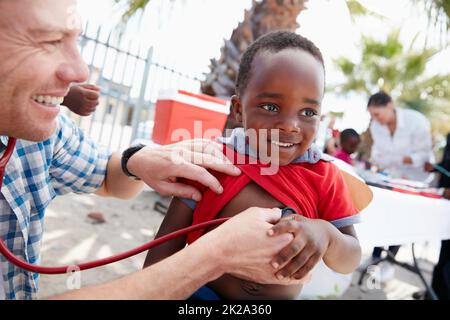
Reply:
x=74 y=69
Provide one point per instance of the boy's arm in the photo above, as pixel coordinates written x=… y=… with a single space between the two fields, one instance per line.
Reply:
x=178 y=216
x=344 y=252
x=315 y=239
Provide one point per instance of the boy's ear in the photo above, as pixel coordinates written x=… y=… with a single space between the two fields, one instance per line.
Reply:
x=236 y=108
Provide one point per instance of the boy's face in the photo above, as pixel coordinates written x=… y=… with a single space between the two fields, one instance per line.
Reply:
x=350 y=145
x=284 y=92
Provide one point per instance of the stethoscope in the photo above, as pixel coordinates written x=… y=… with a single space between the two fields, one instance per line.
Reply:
x=92 y=264
x=101 y=262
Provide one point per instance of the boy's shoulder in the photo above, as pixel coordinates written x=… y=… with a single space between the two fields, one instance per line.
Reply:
x=324 y=168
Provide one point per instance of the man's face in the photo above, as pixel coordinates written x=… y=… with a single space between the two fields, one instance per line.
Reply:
x=382 y=114
x=39 y=59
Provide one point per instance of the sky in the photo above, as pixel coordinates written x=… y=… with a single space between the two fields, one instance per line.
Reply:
x=186 y=34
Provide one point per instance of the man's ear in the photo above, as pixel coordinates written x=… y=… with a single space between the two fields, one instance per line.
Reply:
x=236 y=108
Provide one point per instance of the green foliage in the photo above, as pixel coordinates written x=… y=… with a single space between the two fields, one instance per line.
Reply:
x=356 y=9
x=437 y=10
x=132 y=7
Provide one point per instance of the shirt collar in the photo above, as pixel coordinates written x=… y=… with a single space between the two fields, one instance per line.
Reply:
x=400 y=118
x=237 y=140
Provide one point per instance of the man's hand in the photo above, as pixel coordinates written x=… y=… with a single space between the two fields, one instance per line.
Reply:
x=245 y=248
x=311 y=242
x=82 y=99
x=161 y=168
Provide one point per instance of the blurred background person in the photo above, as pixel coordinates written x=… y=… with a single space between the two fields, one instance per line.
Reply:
x=331 y=146
x=401 y=139
x=365 y=149
x=402 y=145
x=349 y=141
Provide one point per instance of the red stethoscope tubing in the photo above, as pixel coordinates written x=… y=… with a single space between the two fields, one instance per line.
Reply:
x=92 y=264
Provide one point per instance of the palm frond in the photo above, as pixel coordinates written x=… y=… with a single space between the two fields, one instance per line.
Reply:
x=132 y=7
x=356 y=9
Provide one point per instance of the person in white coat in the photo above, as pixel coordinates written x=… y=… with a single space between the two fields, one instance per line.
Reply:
x=401 y=146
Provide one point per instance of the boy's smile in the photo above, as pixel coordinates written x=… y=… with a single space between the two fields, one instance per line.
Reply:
x=283 y=96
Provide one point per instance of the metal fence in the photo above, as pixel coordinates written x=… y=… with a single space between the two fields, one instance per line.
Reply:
x=130 y=79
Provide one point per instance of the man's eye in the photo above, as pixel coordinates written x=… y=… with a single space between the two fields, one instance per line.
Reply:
x=309 y=113
x=54 y=43
x=270 y=107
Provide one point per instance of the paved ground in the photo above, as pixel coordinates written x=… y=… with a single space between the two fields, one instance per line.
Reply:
x=71 y=237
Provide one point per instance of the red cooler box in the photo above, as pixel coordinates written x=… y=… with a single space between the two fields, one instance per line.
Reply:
x=182 y=115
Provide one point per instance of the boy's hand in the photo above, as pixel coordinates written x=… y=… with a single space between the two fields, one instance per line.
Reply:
x=311 y=242
x=82 y=99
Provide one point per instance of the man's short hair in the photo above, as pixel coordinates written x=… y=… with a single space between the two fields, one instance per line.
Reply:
x=379 y=99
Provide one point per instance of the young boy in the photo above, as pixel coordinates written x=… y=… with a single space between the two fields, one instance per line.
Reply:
x=349 y=142
x=279 y=88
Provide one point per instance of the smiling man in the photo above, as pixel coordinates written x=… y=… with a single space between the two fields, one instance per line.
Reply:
x=39 y=60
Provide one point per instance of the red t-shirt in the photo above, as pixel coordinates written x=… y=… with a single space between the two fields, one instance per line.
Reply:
x=316 y=191
x=344 y=156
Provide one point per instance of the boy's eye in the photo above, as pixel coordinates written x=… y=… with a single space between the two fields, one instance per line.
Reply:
x=270 y=107
x=309 y=113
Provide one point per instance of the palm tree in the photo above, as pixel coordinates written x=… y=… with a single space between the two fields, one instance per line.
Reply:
x=388 y=65
x=384 y=65
x=263 y=17
x=438 y=12
x=132 y=7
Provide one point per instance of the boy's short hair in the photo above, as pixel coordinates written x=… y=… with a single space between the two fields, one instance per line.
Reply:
x=348 y=133
x=273 y=42
x=379 y=99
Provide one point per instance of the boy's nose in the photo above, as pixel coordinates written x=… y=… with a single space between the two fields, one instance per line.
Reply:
x=289 y=124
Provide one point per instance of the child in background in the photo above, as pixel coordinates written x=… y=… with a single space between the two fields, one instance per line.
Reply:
x=82 y=99
x=331 y=146
x=280 y=87
x=349 y=142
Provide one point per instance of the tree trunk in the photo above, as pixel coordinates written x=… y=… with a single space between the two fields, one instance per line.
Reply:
x=264 y=16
